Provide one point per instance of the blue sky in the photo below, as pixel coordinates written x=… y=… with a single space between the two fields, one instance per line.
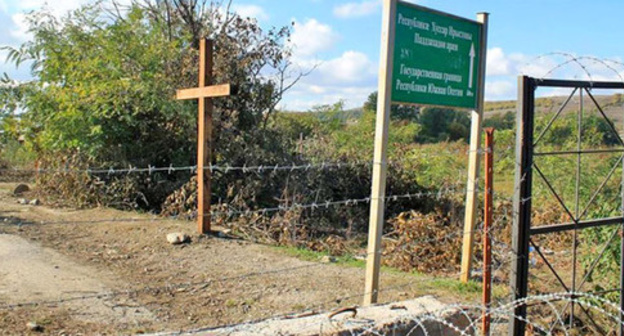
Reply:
x=340 y=38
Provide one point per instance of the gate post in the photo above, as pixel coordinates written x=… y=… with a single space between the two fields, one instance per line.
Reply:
x=522 y=200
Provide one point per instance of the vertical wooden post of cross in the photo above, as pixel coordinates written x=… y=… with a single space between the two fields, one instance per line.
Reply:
x=204 y=136
x=204 y=92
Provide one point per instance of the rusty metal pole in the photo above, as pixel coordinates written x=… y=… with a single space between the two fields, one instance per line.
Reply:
x=487 y=225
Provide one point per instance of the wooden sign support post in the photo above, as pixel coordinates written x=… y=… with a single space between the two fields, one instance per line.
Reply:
x=420 y=66
x=378 y=193
x=473 y=160
x=204 y=92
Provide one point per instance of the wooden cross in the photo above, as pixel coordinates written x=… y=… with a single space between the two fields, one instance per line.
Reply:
x=204 y=92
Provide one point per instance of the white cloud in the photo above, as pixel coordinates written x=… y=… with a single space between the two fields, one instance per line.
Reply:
x=304 y=98
x=317 y=89
x=312 y=37
x=497 y=63
x=532 y=66
x=357 y=9
x=351 y=77
x=59 y=8
x=20 y=27
x=351 y=67
x=251 y=11
x=502 y=89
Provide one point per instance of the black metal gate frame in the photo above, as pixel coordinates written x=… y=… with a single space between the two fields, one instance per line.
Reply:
x=525 y=166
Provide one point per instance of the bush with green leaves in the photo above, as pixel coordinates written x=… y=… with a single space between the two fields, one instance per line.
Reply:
x=104 y=86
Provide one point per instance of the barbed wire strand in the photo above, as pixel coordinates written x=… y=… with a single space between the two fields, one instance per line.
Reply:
x=245 y=168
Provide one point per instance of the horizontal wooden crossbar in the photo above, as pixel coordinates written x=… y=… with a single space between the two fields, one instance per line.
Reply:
x=205 y=92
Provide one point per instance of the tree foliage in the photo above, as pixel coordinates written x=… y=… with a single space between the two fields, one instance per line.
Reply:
x=105 y=81
x=397 y=111
x=501 y=121
x=435 y=124
x=104 y=86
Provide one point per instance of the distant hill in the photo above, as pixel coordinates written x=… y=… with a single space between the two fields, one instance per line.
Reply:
x=612 y=105
x=346 y=115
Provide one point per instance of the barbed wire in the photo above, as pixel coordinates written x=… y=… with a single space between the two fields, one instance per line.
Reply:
x=571 y=59
x=168 y=287
x=150 y=169
x=175 y=286
x=301 y=206
x=238 y=327
x=439 y=194
x=171 y=287
x=472 y=312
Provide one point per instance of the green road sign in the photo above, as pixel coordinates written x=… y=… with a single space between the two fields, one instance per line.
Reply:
x=436 y=58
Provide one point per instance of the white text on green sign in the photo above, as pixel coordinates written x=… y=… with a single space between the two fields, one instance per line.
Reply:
x=436 y=58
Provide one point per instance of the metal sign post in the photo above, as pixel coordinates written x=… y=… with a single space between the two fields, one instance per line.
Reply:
x=427 y=57
x=487 y=226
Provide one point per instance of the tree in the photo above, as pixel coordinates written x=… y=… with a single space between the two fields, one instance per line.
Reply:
x=501 y=121
x=435 y=124
x=443 y=124
x=397 y=111
x=105 y=81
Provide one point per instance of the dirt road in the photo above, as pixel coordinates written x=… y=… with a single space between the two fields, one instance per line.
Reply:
x=29 y=272
x=157 y=286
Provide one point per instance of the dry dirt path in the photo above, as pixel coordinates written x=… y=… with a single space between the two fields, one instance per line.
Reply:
x=160 y=287
x=29 y=272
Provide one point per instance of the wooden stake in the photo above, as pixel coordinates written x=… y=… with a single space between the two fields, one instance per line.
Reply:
x=204 y=92
x=473 y=158
x=378 y=193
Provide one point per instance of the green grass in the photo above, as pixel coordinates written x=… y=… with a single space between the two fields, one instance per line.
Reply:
x=345 y=260
x=308 y=255
x=440 y=286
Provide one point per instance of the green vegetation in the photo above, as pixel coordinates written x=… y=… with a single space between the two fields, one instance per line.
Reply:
x=104 y=87
x=448 y=286
x=309 y=255
x=500 y=122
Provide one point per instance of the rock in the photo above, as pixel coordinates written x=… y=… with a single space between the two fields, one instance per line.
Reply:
x=20 y=189
x=328 y=259
x=34 y=326
x=177 y=238
x=34 y=202
x=22 y=201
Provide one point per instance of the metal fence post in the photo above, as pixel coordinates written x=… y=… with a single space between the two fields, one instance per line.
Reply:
x=487 y=225
x=522 y=201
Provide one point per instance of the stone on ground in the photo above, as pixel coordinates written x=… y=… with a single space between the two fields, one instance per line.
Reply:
x=178 y=238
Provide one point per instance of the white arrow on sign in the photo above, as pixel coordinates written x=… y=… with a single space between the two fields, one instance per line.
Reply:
x=472 y=58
